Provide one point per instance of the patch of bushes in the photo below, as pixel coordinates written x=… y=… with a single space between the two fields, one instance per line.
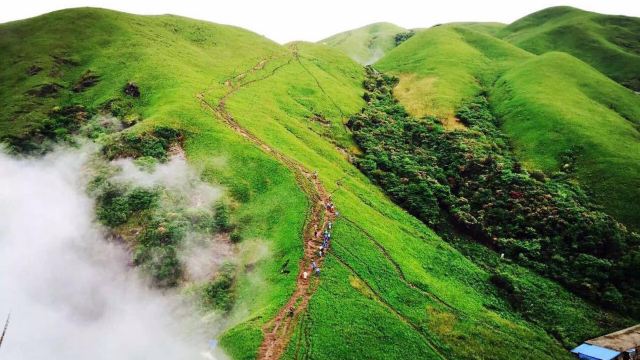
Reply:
x=155 y=144
x=156 y=248
x=61 y=123
x=161 y=262
x=118 y=107
x=218 y=293
x=115 y=205
x=403 y=36
x=471 y=180
x=221 y=217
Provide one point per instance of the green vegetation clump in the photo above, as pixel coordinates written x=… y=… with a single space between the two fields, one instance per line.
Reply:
x=156 y=247
x=403 y=36
x=61 y=123
x=115 y=205
x=218 y=293
x=472 y=177
x=154 y=144
x=221 y=217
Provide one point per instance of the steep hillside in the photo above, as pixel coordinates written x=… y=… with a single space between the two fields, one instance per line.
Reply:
x=383 y=263
x=268 y=123
x=442 y=65
x=555 y=105
x=171 y=60
x=367 y=44
x=608 y=43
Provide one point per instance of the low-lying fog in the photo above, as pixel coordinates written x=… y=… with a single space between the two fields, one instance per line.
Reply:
x=71 y=292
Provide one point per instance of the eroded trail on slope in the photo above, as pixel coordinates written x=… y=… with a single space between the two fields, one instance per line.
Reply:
x=277 y=332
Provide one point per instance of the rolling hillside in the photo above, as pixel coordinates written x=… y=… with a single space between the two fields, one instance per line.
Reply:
x=260 y=119
x=440 y=66
x=555 y=104
x=367 y=44
x=608 y=43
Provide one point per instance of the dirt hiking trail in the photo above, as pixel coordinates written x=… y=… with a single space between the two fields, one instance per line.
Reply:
x=278 y=331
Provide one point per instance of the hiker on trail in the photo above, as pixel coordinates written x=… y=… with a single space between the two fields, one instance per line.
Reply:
x=321 y=252
x=318 y=271
x=329 y=225
x=305 y=275
x=313 y=265
x=290 y=311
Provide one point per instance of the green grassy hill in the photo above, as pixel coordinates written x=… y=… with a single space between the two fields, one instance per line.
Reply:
x=390 y=286
x=442 y=65
x=608 y=43
x=555 y=103
x=366 y=44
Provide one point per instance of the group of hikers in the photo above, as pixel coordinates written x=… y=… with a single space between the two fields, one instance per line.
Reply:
x=326 y=238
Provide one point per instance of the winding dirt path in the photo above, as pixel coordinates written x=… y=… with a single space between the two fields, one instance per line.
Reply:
x=278 y=331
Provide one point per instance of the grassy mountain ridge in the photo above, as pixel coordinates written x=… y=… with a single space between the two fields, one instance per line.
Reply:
x=441 y=66
x=366 y=44
x=569 y=106
x=428 y=299
x=609 y=43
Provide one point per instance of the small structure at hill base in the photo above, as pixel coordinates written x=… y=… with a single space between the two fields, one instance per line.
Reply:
x=619 y=345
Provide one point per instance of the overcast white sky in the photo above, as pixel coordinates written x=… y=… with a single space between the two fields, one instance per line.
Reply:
x=287 y=20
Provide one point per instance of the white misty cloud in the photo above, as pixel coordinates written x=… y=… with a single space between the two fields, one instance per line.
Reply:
x=70 y=292
x=176 y=175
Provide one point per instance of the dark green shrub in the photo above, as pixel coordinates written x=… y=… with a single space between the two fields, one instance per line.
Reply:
x=115 y=205
x=235 y=237
x=142 y=199
x=221 y=217
x=153 y=144
x=112 y=207
x=161 y=262
x=218 y=293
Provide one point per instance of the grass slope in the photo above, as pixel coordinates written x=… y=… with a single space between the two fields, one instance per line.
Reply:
x=608 y=43
x=366 y=44
x=384 y=263
x=171 y=59
x=440 y=66
x=555 y=103
x=426 y=298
